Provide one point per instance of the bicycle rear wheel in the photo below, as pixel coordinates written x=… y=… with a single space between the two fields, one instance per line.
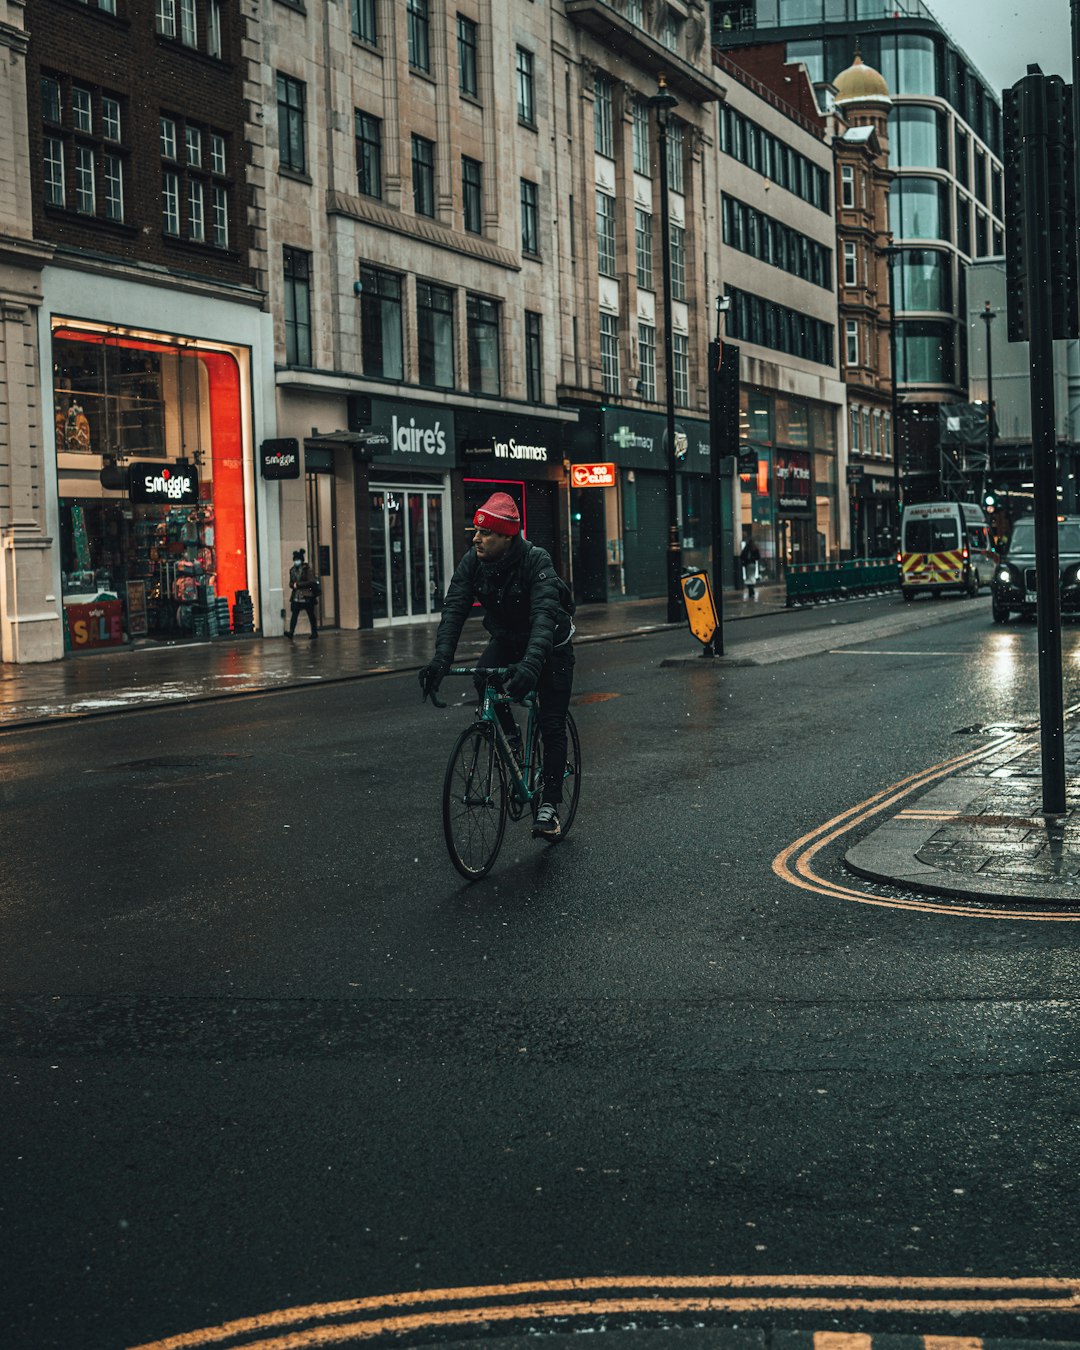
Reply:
x=571 y=779
x=474 y=802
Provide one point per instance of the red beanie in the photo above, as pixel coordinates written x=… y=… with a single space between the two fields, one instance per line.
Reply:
x=498 y=514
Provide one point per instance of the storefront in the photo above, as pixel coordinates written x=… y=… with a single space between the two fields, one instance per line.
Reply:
x=154 y=485
x=789 y=503
x=620 y=534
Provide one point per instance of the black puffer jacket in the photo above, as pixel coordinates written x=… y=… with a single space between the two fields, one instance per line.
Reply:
x=522 y=596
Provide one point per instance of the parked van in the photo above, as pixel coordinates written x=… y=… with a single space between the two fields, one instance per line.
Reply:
x=945 y=546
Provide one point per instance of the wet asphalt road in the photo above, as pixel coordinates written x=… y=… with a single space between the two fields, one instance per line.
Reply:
x=261 y=1047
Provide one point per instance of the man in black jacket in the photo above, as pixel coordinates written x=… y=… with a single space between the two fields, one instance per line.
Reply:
x=528 y=613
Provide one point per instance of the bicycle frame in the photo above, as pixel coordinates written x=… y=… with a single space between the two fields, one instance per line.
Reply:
x=517 y=772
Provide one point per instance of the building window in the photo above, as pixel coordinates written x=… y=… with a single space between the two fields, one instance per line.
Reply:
x=51 y=106
x=675 y=142
x=526 y=102
x=851 y=334
x=482 y=322
x=680 y=357
x=643 y=247
x=856 y=425
x=423 y=176
x=85 y=197
x=876 y=428
x=290 y=111
x=918 y=138
x=368 y=154
x=755 y=319
x=534 y=359
x=219 y=219
x=471 y=195
x=609 y=353
x=113 y=170
x=167 y=137
x=924 y=353
x=363 y=21
x=213 y=29
x=603 y=124
x=678 y=262
x=165 y=18
x=635 y=11
x=646 y=346
x=381 y=343
x=642 y=155
x=605 y=234
x=847 y=185
x=670 y=31
x=217 y=153
x=466 y=55
x=189 y=28
x=82 y=118
x=435 y=335
x=170 y=203
x=419 y=26
x=886 y=435
x=196 y=211
x=110 y=118
x=297 y=269
x=919 y=209
x=530 y=217
x=193 y=146
x=851 y=265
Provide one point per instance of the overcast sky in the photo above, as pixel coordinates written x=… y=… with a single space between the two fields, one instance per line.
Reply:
x=1003 y=37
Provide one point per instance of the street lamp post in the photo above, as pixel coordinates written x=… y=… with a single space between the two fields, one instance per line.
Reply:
x=891 y=255
x=663 y=101
x=988 y=316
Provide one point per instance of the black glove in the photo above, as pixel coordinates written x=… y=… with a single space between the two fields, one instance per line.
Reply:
x=431 y=676
x=521 y=680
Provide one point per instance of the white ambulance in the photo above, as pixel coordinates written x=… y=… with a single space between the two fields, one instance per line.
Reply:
x=945 y=546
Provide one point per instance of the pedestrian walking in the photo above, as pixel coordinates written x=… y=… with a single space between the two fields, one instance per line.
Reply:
x=304 y=592
x=751 y=566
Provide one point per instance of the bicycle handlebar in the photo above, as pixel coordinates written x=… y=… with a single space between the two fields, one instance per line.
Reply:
x=487 y=671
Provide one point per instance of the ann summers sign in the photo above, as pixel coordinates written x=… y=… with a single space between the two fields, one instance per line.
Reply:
x=164 y=484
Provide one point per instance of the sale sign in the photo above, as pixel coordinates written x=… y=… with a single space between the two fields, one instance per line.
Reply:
x=592 y=475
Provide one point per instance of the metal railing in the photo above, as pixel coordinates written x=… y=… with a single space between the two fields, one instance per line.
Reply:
x=812 y=583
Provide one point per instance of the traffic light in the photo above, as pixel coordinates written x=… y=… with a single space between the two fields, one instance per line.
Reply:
x=990 y=501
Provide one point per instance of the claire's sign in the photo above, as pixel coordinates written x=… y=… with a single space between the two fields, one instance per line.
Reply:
x=164 y=484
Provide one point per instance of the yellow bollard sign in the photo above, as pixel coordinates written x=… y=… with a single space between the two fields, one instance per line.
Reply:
x=700 y=609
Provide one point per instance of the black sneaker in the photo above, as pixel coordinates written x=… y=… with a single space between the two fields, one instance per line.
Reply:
x=546 y=825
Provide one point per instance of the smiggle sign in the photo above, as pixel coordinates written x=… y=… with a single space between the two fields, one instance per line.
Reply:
x=169 y=485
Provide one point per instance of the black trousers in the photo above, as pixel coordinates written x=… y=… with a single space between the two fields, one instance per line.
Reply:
x=553 y=702
x=308 y=607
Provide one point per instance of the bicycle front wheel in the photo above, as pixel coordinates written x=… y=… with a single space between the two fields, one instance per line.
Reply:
x=474 y=802
x=571 y=779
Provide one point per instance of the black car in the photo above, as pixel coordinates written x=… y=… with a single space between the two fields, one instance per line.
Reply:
x=1013 y=587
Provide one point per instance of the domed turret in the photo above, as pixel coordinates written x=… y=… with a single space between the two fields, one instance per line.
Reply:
x=861 y=83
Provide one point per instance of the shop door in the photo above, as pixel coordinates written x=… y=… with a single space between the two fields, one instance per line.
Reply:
x=408 y=548
x=645 y=530
x=322 y=543
x=795 y=541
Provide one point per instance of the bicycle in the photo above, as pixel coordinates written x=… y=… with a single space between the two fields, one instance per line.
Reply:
x=485 y=782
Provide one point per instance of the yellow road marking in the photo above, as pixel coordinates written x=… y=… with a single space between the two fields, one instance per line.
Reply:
x=733 y=1293
x=952 y=1343
x=841 y=1340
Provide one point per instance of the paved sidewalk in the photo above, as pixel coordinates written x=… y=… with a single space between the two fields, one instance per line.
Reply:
x=151 y=674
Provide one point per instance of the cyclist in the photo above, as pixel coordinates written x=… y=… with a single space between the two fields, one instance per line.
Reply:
x=528 y=612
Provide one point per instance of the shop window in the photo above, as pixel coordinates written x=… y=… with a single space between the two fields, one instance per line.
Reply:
x=466 y=49
x=381 y=324
x=534 y=358
x=368 y=131
x=482 y=324
x=647 y=361
x=132 y=568
x=526 y=93
x=419 y=35
x=609 y=353
x=290 y=113
x=471 y=195
x=435 y=335
x=423 y=176
x=530 y=217
x=297 y=274
x=364 y=24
